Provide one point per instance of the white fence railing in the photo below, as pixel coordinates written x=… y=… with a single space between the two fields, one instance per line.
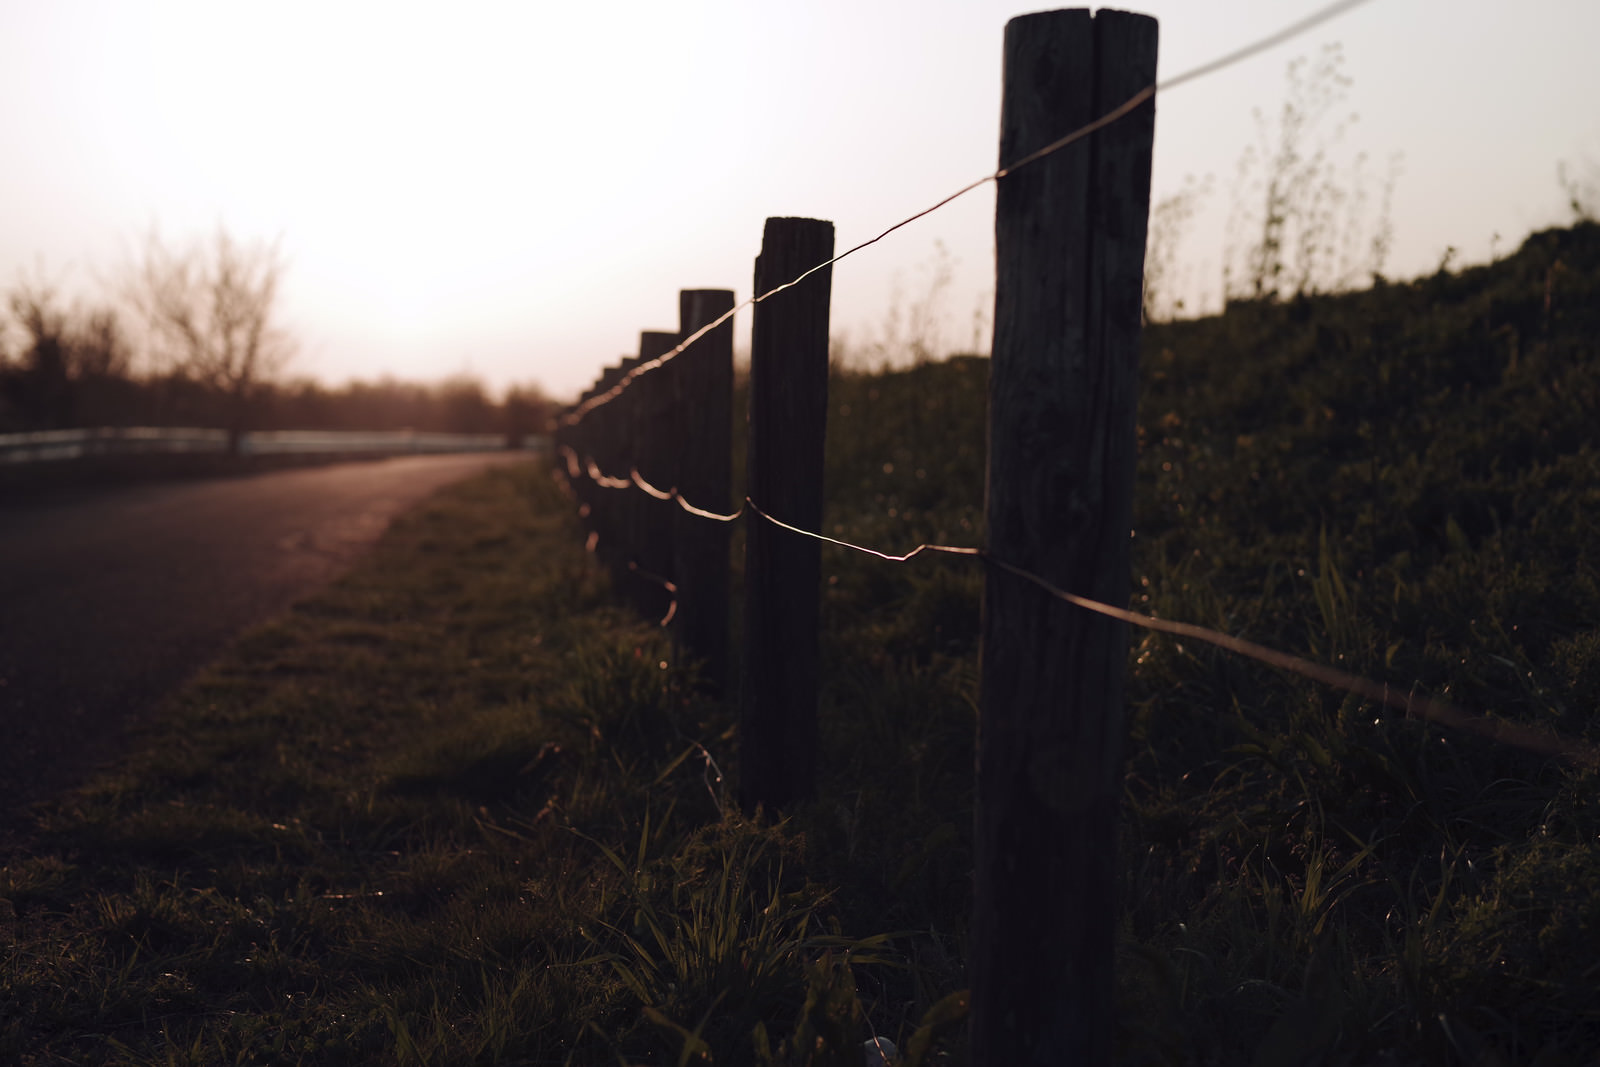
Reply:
x=45 y=445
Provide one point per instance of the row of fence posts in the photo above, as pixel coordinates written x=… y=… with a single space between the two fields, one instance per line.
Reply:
x=671 y=426
x=1070 y=239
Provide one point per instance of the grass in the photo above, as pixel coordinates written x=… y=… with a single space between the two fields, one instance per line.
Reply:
x=454 y=810
x=1400 y=482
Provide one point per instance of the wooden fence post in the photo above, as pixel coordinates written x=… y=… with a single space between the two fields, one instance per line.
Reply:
x=655 y=457
x=1070 y=240
x=585 y=441
x=609 y=447
x=703 y=404
x=788 y=415
x=562 y=439
x=577 y=438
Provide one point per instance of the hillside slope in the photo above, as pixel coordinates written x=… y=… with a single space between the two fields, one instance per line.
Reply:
x=1402 y=482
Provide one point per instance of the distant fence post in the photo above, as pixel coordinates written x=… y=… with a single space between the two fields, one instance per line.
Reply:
x=609 y=448
x=655 y=457
x=703 y=404
x=788 y=413
x=578 y=437
x=1070 y=238
x=563 y=437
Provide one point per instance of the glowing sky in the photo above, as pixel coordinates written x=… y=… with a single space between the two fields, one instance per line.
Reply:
x=516 y=190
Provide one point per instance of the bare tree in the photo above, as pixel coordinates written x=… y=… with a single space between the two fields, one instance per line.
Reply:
x=72 y=367
x=209 y=309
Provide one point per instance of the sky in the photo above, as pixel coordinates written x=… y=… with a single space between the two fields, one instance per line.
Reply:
x=515 y=190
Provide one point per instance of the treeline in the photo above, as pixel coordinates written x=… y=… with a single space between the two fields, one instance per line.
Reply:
x=64 y=369
x=455 y=405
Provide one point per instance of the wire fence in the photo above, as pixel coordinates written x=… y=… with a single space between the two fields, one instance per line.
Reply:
x=580 y=465
x=1062 y=446
x=1409 y=702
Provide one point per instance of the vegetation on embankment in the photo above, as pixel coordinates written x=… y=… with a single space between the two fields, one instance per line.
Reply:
x=454 y=810
x=1403 y=482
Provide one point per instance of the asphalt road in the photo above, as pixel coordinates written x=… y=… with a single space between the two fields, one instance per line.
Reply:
x=111 y=598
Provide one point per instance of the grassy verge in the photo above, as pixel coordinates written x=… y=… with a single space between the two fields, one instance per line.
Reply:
x=456 y=811
x=1402 y=482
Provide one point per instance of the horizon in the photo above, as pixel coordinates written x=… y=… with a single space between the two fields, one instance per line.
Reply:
x=445 y=208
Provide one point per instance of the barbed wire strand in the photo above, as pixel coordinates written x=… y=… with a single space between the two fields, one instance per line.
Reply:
x=1317 y=18
x=950 y=549
x=1539 y=742
x=1294 y=29
x=600 y=478
x=576 y=469
x=669 y=586
x=659 y=494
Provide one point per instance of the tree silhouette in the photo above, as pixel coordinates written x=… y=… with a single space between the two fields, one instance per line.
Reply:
x=209 y=310
x=72 y=368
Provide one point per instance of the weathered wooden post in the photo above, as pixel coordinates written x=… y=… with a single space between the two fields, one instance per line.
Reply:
x=1070 y=240
x=580 y=438
x=628 y=408
x=608 y=446
x=703 y=406
x=655 y=458
x=585 y=435
x=562 y=437
x=788 y=413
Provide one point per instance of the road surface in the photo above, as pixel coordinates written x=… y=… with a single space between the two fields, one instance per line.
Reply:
x=110 y=598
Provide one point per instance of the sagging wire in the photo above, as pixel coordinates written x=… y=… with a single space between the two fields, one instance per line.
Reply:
x=951 y=549
x=1412 y=705
x=1538 y=742
x=667 y=584
x=577 y=467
